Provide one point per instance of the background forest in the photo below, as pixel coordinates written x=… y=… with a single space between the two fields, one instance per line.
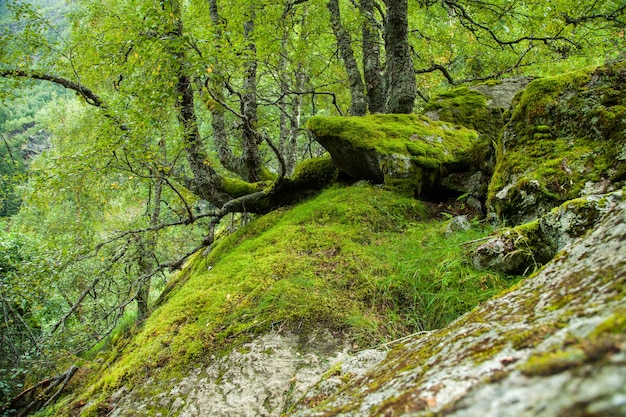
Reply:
x=133 y=133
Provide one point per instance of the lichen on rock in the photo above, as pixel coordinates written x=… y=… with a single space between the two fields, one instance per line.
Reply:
x=522 y=249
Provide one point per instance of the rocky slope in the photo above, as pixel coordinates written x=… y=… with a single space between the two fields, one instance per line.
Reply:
x=273 y=320
x=553 y=346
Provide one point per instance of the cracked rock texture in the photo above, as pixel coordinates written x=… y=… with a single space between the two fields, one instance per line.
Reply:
x=261 y=378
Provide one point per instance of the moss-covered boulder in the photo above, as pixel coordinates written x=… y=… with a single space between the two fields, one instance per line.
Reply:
x=481 y=107
x=408 y=152
x=553 y=346
x=565 y=139
x=522 y=249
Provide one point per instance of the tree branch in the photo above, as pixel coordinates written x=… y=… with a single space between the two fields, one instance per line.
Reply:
x=89 y=96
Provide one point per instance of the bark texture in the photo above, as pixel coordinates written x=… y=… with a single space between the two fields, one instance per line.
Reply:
x=358 y=106
x=399 y=72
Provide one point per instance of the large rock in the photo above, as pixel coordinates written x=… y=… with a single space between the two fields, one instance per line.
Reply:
x=565 y=140
x=521 y=249
x=408 y=152
x=553 y=346
x=260 y=378
x=480 y=107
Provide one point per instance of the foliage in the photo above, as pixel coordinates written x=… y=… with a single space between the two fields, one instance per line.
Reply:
x=20 y=301
x=186 y=112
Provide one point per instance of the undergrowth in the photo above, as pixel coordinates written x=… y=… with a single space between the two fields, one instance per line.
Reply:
x=360 y=261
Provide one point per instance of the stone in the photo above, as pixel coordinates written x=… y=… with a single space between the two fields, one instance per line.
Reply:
x=522 y=249
x=261 y=378
x=564 y=140
x=404 y=152
x=554 y=345
x=458 y=224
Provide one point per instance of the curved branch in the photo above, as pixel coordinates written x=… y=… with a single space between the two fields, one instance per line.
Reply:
x=444 y=71
x=472 y=25
x=89 y=96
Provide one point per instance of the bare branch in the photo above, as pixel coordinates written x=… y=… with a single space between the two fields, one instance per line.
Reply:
x=89 y=96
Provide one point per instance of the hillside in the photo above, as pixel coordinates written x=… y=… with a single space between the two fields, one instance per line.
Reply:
x=345 y=304
x=353 y=267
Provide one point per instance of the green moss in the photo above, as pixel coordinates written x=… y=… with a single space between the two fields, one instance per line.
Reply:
x=315 y=173
x=551 y=363
x=563 y=134
x=615 y=324
x=236 y=187
x=406 y=150
x=358 y=260
x=467 y=107
x=395 y=133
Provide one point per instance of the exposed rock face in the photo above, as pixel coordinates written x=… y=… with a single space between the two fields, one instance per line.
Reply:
x=565 y=140
x=36 y=144
x=261 y=378
x=408 y=152
x=553 y=346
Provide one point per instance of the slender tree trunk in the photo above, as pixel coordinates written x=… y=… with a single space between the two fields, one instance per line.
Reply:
x=401 y=89
x=294 y=131
x=206 y=183
x=358 y=106
x=218 y=119
x=372 y=71
x=284 y=129
x=251 y=139
x=146 y=254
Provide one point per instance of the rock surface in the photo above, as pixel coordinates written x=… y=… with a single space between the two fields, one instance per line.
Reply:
x=521 y=249
x=261 y=378
x=407 y=152
x=480 y=107
x=553 y=346
x=565 y=140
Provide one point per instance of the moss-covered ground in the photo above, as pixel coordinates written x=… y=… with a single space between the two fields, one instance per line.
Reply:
x=360 y=261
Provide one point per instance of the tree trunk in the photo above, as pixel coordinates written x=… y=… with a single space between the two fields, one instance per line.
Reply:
x=401 y=89
x=294 y=131
x=251 y=139
x=225 y=154
x=372 y=71
x=358 y=106
x=206 y=183
x=146 y=254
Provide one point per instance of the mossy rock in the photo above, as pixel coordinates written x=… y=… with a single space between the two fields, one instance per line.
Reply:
x=565 y=140
x=482 y=107
x=405 y=152
x=521 y=249
x=553 y=345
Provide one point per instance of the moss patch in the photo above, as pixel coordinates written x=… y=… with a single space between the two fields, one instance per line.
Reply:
x=565 y=136
x=405 y=151
x=466 y=107
x=356 y=260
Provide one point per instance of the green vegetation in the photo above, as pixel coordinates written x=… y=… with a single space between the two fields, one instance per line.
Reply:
x=465 y=107
x=358 y=260
x=405 y=151
x=565 y=134
x=186 y=115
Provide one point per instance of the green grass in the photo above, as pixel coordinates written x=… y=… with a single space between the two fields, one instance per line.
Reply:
x=359 y=260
